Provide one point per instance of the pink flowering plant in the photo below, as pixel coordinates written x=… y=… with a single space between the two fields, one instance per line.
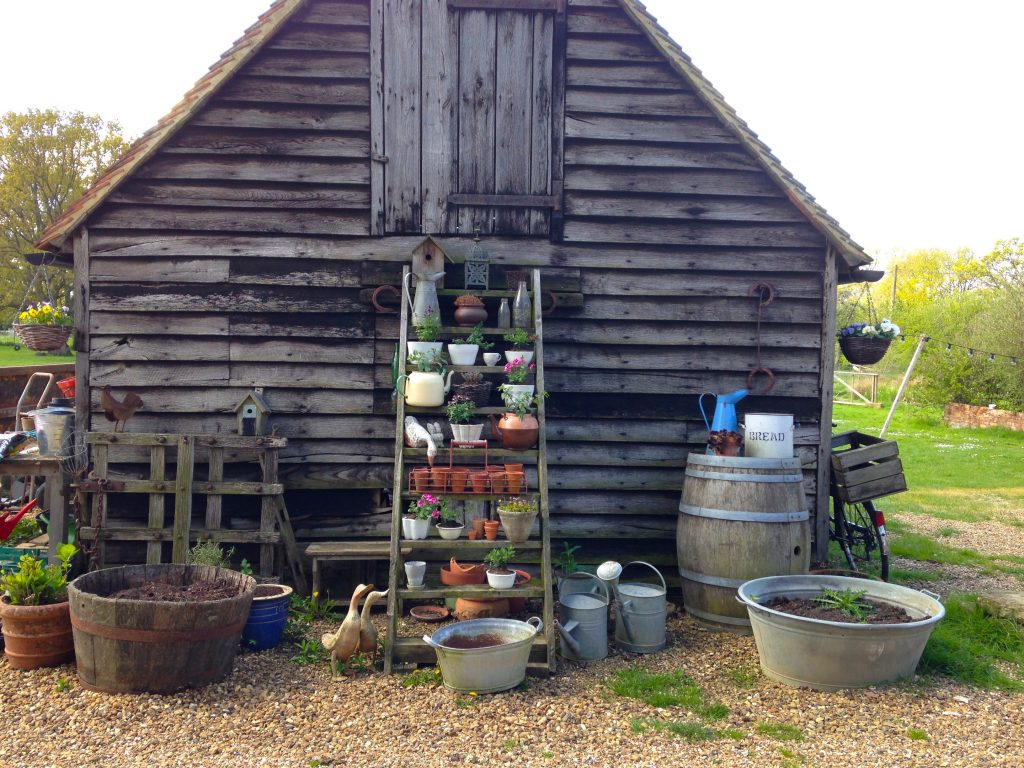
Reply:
x=518 y=370
x=430 y=507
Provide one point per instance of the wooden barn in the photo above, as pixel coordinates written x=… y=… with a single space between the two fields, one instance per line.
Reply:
x=238 y=243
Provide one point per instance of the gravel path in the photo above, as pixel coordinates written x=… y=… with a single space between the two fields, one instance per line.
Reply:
x=271 y=712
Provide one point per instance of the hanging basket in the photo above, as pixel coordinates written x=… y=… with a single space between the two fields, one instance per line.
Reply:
x=864 y=350
x=43 y=338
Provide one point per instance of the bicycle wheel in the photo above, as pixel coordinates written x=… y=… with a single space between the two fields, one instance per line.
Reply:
x=864 y=538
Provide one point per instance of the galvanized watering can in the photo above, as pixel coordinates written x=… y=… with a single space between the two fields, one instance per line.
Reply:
x=583 y=617
x=641 y=609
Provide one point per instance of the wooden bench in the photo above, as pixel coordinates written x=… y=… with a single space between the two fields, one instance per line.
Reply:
x=347 y=551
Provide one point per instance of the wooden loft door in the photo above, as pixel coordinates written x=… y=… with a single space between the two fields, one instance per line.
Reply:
x=467 y=114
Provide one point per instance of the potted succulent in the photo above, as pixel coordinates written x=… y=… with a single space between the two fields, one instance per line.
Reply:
x=427 y=332
x=867 y=343
x=517 y=514
x=469 y=310
x=36 y=614
x=520 y=344
x=499 y=575
x=460 y=413
x=416 y=522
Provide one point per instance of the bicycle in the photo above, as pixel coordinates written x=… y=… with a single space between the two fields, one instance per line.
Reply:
x=863 y=468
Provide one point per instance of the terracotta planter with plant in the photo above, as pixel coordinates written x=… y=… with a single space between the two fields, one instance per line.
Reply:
x=36 y=614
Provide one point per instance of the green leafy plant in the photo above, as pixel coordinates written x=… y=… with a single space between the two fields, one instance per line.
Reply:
x=310 y=652
x=33 y=583
x=44 y=313
x=25 y=529
x=519 y=338
x=476 y=336
x=209 y=553
x=566 y=560
x=429 y=328
x=422 y=677
x=310 y=609
x=519 y=403
x=245 y=568
x=427 y=362
x=780 y=731
x=848 y=601
x=517 y=504
x=64 y=685
x=461 y=409
x=498 y=557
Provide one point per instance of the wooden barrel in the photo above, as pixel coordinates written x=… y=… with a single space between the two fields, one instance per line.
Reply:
x=147 y=646
x=739 y=519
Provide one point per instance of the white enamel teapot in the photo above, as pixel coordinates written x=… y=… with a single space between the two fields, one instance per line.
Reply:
x=424 y=388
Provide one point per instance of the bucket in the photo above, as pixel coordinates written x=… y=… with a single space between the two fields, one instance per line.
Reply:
x=640 y=618
x=739 y=519
x=487 y=669
x=125 y=645
x=829 y=655
x=67 y=387
x=267 y=617
x=768 y=436
x=583 y=617
x=54 y=426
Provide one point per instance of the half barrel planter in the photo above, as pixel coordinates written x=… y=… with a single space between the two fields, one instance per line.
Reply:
x=126 y=645
x=739 y=519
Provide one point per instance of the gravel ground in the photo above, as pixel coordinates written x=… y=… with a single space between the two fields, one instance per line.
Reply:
x=271 y=712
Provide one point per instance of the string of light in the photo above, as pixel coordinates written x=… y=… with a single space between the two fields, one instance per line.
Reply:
x=971 y=351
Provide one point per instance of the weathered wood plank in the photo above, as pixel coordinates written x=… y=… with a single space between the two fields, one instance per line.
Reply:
x=337 y=222
x=692 y=208
x=298 y=427
x=159 y=270
x=735 y=285
x=322 y=38
x=602 y=153
x=349 y=66
x=477 y=94
x=697 y=309
x=244 y=196
x=615 y=75
x=670 y=181
x=300 y=351
x=135 y=374
x=401 y=112
x=675 y=130
x=513 y=112
x=696 y=233
x=166 y=297
x=290 y=90
x=376 y=114
x=636 y=103
x=667 y=382
x=542 y=145
x=297 y=374
x=182 y=499
x=826 y=388
x=440 y=103
x=349 y=14
x=604 y=48
x=736 y=334
x=129 y=347
x=325 y=476
x=608 y=357
x=588 y=21
x=295 y=271
x=316 y=118
x=303 y=326
x=197 y=141
x=291 y=170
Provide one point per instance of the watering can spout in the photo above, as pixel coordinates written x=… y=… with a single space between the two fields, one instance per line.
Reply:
x=725 y=410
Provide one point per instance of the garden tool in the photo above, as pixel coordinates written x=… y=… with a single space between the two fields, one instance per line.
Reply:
x=10 y=519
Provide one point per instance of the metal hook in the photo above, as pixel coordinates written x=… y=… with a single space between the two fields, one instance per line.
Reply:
x=764 y=291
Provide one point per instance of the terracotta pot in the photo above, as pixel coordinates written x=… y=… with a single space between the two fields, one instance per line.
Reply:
x=470 y=315
x=491 y=531
x=515 y=481
x=480 y=482
x=475 y=608
x=514 y=468
x=459 y=479
x=477 y=574
x=478 y=525
x=497 y=478
x=516 y=434
x=438 y=479
x=38 y=635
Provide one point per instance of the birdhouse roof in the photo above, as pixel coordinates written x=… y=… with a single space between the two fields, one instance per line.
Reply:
x=256 y=399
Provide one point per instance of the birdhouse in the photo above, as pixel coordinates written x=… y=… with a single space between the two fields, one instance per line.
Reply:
x=428 y=260
x=478 y=265
x=253 y=413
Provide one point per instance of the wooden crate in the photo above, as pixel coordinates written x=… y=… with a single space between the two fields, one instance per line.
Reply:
x=865 y=467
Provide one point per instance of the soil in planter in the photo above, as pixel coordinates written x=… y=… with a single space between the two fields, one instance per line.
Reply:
x=881 y=613
x=473 y=641
x=266 y=590
x=176 y=593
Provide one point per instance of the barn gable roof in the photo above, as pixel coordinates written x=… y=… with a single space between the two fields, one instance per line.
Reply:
x=56 y=236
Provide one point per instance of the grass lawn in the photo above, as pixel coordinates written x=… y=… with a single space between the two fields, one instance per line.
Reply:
x=25 y=356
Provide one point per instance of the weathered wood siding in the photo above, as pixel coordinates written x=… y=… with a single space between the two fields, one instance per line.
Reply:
x=237 y=255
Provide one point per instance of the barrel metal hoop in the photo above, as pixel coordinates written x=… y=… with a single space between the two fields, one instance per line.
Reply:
x=746 y=517
x=744 y=462
x=157 y=635
x=744 y=478
x=715 y=617
x=714 y=581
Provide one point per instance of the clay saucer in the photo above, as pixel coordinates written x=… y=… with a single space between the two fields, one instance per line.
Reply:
x=429 y=612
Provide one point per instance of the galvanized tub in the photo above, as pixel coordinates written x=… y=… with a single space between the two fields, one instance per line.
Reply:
x=583 y=617
x=641 y=614
x=830 y=655
x=489 y=669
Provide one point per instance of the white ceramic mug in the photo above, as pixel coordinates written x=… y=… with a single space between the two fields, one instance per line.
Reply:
x=492 y=358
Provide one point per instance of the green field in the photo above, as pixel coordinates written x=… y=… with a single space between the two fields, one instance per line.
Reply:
x=24 y=356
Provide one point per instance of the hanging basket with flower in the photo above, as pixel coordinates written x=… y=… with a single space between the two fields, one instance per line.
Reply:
x=865 y=343
x=43 y=327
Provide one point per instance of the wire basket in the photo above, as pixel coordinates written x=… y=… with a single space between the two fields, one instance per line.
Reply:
x=479 y=393
x=864 y=350
x=43 y=338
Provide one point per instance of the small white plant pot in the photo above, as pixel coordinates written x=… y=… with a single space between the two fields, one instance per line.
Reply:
x=492 y=358
x=526 y=355
x=415 y=570
x=514 y=390
x=450 y=534
x=414 y=528
x=424 y=347
x=463 y=354
x=466 y=432
x=501 y=580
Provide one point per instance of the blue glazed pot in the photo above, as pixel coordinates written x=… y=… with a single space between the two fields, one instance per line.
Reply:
x=267 y=617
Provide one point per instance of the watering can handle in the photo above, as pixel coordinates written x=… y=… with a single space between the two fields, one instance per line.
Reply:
x=407 y=288
x=398 y=384
x=700 y=404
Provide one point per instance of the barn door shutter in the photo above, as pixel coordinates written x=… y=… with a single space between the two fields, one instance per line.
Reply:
x=463 y=95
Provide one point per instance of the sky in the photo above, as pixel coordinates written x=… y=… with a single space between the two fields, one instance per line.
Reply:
x=902 y=117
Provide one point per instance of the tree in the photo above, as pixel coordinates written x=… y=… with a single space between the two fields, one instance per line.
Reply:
x=47 y=161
